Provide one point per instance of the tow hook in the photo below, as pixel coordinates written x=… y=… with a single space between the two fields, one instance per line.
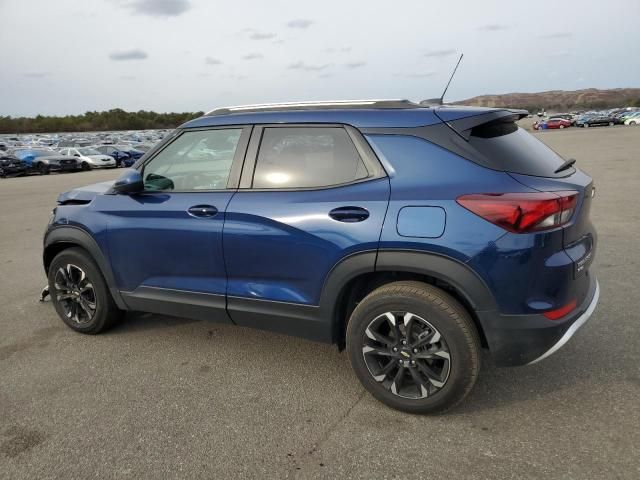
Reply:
x=44 y=294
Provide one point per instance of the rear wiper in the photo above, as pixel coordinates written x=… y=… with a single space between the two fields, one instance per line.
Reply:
x=565 y=165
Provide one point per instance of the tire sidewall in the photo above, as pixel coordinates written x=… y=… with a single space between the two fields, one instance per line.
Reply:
x=461 y=363
x=103 y=299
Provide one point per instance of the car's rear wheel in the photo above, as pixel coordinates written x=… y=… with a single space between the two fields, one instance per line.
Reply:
x=632 y=123
x=611 y=124
x=414 y=347
x=80 y=294
x=586 y=125
x=561 y=126
x=85 y=166
x=43 y=169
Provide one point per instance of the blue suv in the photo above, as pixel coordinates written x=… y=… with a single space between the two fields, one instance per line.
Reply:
x=411 y=236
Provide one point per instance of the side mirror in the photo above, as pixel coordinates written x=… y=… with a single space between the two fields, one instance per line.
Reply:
x=129 y=182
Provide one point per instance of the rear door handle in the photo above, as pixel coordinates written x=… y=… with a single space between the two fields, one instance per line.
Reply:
x=349 y=214
x=203 y=211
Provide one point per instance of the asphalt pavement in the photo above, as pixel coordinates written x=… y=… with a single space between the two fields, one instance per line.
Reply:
x=163 y=397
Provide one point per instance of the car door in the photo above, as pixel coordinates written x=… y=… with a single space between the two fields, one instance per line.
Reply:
x=165 y=244
x=310 y=196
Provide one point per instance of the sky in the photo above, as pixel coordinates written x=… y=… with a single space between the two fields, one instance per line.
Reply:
x=71 y=56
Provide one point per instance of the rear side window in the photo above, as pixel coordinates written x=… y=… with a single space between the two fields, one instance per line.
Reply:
x=516 y=150
x=307 y=157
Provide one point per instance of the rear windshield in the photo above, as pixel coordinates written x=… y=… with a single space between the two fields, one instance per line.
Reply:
x=515 y=150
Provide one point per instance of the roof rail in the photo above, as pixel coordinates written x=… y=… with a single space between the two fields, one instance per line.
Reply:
x=315 y=105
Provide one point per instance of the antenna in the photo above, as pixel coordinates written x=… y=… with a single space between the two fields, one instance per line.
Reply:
x=451 y=78
x=438 y=101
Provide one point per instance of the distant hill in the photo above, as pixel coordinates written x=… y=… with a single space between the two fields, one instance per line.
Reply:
x=560 y=99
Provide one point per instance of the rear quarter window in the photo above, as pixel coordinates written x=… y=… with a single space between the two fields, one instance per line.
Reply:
x=515 y=150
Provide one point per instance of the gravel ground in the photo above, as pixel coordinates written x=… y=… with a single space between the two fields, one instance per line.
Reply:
x=162 y=397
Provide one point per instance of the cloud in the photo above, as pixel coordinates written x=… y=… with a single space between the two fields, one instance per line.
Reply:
x=212 y=61
x=133 y=54
x=440 y=53
x=261 y=36
x=557 y=35
x=252 y=56
x=325 y=75
x=493 y=27
x=127 y=77
x=355 y=64
x=310 y=68
x=338 y=50
x=300 y=23
x=36 y=74
x=158 y=8
x=416 y=75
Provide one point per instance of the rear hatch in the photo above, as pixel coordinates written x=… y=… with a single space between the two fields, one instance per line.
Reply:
x=495 y=141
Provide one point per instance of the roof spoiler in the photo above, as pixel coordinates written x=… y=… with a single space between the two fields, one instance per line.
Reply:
x=463 y=126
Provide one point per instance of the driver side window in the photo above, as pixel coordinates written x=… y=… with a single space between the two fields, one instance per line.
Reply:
x=197 y=160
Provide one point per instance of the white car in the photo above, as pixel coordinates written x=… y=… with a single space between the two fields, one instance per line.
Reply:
x=90 y=158
x=633 y=120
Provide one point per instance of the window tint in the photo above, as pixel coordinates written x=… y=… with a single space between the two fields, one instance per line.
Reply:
x=516 y=150
x=199 y=160
x=300 y=157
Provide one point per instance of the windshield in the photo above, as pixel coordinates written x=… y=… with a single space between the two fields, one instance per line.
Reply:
x=88 y=151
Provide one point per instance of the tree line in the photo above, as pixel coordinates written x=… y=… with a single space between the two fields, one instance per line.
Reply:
x=115 y=119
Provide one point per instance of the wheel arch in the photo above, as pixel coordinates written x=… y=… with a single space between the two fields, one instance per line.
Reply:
x=61 y=238
x=351 y=280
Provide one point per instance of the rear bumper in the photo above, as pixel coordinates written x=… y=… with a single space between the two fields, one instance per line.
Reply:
x=525 y=339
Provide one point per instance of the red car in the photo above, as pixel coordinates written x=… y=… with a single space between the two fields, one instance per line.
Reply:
x=552 y=123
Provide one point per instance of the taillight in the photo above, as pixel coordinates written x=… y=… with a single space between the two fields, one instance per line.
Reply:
x=523 y=212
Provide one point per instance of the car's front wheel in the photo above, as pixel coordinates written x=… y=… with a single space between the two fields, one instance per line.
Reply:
x=85 y=166
x=414 y=347
x=80 y=294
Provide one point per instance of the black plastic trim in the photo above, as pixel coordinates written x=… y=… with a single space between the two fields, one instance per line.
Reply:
x=464 y=279
x=178 y=303
x=77 y=236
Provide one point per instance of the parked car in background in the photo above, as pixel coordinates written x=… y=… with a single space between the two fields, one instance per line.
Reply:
x=11 y=166
x=45 y=161
x=144 y=147
x=89 y=158
x=595 y=121
x=552 y=123
x=131 y=150
x=122 y=158
x=633 y=119
x=565 y=116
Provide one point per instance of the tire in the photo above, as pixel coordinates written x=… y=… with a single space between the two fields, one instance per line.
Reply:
x=430 y=314
x=43 y=169
x=611 y=124
x=585 y=125
x=85 y=166
x=65 y=274
x=561 y=126
x=632 y=123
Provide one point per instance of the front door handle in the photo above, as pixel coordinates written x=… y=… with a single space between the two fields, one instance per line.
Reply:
x=349 y=214
x=203 y=211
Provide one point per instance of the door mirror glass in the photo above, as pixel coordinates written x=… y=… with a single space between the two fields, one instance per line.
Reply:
x=129 y=182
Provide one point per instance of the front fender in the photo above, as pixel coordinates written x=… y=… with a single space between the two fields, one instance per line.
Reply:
x=75 y=236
